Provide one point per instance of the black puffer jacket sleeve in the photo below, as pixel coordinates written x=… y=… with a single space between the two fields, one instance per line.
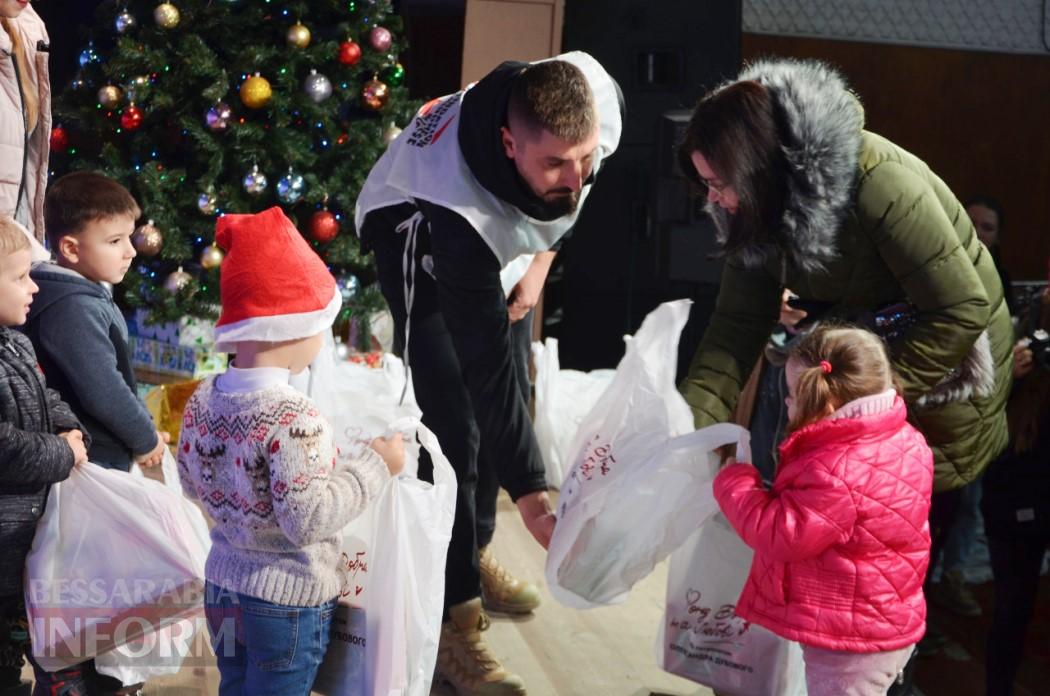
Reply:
x=32 y=459
x=475 y=311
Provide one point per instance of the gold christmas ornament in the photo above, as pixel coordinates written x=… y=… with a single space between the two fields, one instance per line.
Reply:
x=166 y=15
x=109 y=96
x=390 y=134
x=177 y=281
x=147 y=239
x=211 y=257
x=256 y=92
x=298 y=35
x=374 y=94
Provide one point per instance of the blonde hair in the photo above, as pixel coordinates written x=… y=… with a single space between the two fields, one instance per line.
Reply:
x=839 y=364
x=30 y=94
x=12 y=237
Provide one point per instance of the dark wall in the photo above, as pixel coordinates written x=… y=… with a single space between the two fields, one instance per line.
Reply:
x=614 y=269
x=67 y=22
x=980 y=120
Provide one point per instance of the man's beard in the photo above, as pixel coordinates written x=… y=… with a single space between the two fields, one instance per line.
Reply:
x=562 y=202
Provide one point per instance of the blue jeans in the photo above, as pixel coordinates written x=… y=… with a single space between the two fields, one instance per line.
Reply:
x=962 y=536
x=263 y=648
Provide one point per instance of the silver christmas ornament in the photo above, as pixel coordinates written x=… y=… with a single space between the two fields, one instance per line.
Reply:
x=218 y=117
x=125 y=22
x=290 y=187
x=255 y=181
x=206 y=203
x=317 y=86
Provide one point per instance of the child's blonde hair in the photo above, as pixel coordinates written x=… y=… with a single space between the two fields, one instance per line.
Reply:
x=839 y=364
x=12 y=237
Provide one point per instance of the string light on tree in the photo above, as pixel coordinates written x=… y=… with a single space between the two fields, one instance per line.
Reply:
x=166 y=15
x=147 y=239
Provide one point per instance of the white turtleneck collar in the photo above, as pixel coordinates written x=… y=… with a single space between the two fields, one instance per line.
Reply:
x=237 y=380
x=867 y=405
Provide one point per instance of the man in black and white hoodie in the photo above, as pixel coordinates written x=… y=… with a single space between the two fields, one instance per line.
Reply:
x=483 y=182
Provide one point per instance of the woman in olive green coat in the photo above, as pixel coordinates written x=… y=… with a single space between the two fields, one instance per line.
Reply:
x=803 y=197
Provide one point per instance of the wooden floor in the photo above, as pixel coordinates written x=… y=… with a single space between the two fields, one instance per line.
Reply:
x=557 y=651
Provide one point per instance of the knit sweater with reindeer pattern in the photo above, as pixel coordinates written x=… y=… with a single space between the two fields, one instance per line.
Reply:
x=264 y=464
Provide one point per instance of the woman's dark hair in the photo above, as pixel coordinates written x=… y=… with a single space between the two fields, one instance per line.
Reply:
x=736 y=130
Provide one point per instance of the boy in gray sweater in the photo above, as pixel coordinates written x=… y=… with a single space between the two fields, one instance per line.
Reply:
x=80 y=336
x=262 y=460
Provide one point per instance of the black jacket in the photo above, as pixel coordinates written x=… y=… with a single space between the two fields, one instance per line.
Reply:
x=471 y=297
x=32 y=456
x=81 y=339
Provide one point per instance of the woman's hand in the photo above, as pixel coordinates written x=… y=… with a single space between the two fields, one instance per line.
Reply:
x=1022 y=358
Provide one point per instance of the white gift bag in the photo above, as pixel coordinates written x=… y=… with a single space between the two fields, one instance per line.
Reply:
x=701 y=638
x=640 y=482
x=160 y=652
x=115 y=558
x=563 y=400
x=385 y=632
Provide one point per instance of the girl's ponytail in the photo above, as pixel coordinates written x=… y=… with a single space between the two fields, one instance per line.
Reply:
x=839 y=364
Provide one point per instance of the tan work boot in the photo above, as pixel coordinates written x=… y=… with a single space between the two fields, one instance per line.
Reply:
x=464 y=661
x=501 y=591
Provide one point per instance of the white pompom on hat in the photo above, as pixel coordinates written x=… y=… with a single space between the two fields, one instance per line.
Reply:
x=273 y=287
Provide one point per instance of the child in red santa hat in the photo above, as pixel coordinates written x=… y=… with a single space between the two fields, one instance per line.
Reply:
x=262 y=460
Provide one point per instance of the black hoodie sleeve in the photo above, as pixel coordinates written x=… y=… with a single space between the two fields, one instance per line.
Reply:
x=475 y=311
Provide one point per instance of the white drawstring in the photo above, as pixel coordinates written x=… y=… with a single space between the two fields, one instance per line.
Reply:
x=408 y=271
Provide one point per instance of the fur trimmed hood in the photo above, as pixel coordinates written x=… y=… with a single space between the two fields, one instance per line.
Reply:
x=823 y=121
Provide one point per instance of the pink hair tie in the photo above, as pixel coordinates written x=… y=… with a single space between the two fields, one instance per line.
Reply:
x=825 y=367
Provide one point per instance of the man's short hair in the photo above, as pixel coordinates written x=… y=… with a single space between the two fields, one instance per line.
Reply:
x=12 y=238
x=554 y=96
x=82 y=197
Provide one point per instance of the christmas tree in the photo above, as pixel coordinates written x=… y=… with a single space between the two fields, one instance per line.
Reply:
x=207 y=107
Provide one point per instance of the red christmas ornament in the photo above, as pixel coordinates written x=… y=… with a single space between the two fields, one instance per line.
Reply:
x=323 y=226
x=59 y=139
x=131 y=118
x=349 y=53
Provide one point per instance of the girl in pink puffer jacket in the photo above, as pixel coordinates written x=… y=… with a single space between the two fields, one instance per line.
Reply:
x=841 y=540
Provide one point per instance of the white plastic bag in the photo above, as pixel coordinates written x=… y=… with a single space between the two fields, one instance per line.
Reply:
x=640 y=482
x=161 y=652
x=115 y=557
x=701 y=638
x=563 y=400
x=387 y=624
x=359 y=401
